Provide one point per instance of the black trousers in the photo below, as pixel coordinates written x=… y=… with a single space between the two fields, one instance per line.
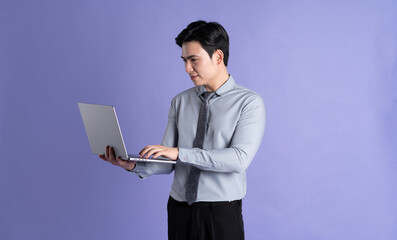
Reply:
x=205 y=220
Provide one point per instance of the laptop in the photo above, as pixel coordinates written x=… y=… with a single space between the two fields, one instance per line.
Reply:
x=103 y=129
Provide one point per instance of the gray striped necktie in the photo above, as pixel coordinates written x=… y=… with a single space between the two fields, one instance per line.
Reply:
x=194 y=175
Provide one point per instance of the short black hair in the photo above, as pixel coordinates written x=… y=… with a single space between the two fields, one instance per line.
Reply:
x=211 y=35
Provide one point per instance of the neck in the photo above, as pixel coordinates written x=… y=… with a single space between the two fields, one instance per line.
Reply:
x=222 y=77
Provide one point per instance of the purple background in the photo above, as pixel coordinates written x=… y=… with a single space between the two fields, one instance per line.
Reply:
x=326 y=70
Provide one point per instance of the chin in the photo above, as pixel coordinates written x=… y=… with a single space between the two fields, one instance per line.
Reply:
x=197 y=83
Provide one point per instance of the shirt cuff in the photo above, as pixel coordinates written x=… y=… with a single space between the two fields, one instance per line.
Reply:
x=192 y=156
x=139 y=170
x=182 y=155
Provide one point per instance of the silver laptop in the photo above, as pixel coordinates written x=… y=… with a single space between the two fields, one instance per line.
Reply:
x=102 y=128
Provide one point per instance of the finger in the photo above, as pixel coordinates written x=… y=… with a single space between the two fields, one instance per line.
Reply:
x=148 y=153
x=102 y=157
x=112 y=153
x=158 y=154
x=107 y=152
x=171 y=153
x=160 y=151
x=165 y=152
x=144 y=150
x=153 y=151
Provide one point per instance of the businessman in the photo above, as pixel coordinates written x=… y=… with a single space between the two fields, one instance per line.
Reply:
x=214 y=131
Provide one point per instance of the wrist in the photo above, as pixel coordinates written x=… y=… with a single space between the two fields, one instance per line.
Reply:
x=130 y=168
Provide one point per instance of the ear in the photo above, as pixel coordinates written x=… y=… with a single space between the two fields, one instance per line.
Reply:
x=218 y=55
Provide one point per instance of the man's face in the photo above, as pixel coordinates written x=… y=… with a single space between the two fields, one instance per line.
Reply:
x=201 y=68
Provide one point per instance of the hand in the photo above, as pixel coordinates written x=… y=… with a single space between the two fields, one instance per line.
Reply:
x=159 y=150
x=109 y=156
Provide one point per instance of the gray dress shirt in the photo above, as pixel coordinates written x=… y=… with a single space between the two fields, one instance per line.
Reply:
x=235 y=129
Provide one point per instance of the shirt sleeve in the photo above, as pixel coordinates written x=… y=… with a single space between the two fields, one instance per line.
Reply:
x=170 y=139
x=244 y=144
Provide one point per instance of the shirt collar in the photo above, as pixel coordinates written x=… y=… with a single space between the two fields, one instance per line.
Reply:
x=227 y=86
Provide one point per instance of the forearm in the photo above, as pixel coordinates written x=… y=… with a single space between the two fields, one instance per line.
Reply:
x=233 y=159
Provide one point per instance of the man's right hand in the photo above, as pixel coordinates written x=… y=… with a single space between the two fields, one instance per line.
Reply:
x=109 y=156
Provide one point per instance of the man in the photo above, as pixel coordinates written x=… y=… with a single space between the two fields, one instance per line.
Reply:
x=214 y=130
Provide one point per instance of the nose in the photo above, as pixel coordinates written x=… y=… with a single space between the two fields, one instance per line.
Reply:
x=188 y=67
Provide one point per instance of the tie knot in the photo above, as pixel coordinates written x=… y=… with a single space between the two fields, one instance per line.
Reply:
x=207 y=95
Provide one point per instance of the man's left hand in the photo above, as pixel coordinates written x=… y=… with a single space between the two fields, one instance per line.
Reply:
x=159 y=150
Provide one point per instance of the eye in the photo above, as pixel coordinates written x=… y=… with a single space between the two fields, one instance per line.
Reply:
x=194 y=59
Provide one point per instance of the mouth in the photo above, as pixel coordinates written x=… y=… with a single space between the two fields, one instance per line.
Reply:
x=194 y=77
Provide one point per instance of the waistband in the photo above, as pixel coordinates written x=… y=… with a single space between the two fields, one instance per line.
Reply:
x=205 y=204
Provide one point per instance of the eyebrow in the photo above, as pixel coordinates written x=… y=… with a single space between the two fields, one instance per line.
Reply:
x=189 y=57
